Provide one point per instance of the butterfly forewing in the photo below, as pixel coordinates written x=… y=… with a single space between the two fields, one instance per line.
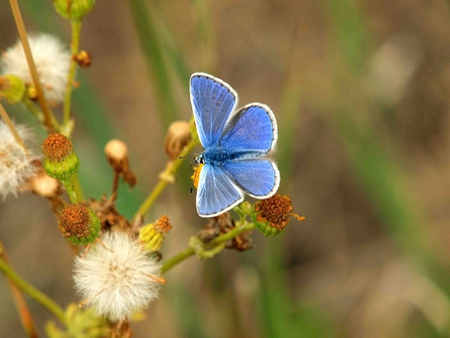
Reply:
x=216 y=193
x=212 y=102
x=259 y=178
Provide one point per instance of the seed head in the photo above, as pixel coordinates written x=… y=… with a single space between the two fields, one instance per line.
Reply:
x=16 y=165
x=52 y=61
x=120 y=281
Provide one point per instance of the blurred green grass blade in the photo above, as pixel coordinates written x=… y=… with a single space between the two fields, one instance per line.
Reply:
x=276 y=304
x=351 y=34
x=171 y=49
x=151 y=45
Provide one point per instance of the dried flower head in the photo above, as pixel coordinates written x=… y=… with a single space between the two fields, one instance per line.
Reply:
x=52 y=61
x=119 y=282
x=16 y=164
x=80 y=225
x=273 y=214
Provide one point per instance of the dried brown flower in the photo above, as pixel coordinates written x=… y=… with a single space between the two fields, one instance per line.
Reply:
x=276 y=211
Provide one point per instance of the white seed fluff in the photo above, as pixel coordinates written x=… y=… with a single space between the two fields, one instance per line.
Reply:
x=52 y=61
x=117 y=283
x=16 y=165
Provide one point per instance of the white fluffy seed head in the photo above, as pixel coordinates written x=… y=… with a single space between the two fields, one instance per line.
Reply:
x=52 y=61
x=119 y=282
x=16 y=165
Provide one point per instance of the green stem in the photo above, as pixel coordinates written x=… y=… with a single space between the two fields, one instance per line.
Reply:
x=77 y=187
x=74 y=47
x=70 y=189
x=33 y=293
x=170 y=171
x=181 y=256
x=178 y=258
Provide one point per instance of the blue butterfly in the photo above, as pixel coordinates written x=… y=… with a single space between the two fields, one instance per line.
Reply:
x=235 y=144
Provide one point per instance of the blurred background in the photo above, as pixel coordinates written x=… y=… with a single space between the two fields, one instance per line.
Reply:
x=360 y=90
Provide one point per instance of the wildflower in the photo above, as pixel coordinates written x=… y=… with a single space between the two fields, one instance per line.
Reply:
x=16 y=164
x=273 y=214
x=119 y=282
x=80 y=225
x=52 y=61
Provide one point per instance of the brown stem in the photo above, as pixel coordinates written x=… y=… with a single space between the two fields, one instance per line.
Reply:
x=19 y=300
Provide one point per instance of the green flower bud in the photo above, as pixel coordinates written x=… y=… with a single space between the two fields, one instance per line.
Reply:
x=152 y=235
x=12 y=88
x=80 y=225
x=73 y=9
x=60 y=161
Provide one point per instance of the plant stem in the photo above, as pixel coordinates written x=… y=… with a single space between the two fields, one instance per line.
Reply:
x=181 y=256
x=12 y=128
x=178 y=258
x=74 y=47
x=22 y=307
x=68 y=184
x=49 y=120
x=170 y=170
x=32 y=292
x=77 y=187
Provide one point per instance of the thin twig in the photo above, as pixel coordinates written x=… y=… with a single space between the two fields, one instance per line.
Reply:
x=12 y=128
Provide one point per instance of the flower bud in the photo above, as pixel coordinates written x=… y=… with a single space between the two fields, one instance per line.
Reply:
x=152 y=235
x=80 y=225
x=12 y=88
x=178 y=136
x=83 y=58
x=117 y=154
x=60 y=161
x=73 y=9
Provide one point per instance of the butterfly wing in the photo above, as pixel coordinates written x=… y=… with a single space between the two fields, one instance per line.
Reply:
x=258 y=178
x=251 y=132
x=216 y=193
x=212 y=102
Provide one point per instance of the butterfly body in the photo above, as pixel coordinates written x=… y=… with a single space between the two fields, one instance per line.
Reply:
x=236 y=145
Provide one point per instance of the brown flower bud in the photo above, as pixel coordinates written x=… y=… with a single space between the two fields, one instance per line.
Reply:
x=79 y=224
x=178 y=136
x=117 y=154
x=83 y=59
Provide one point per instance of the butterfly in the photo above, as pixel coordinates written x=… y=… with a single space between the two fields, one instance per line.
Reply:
x=235 y=144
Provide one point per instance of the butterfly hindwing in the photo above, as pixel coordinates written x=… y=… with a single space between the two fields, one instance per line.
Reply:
x=212 y=102
x=258 y=178
x=252 y=129
x=216 y=193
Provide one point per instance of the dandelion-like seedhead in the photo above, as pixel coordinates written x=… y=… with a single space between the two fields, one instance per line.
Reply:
x=52 y=61
x=117 y=278
x=16 y=165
